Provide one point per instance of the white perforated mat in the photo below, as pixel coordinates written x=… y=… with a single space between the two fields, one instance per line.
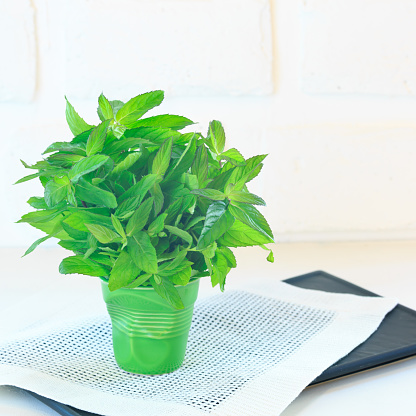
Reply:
x=247 y=355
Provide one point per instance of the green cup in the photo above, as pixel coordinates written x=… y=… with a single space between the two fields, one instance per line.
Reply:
x=149 y=335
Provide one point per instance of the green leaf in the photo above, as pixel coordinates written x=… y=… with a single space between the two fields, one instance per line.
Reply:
x=158 y=198
x=164 y=120
x=229 y=255
x=56 y=190
x=95 y=195
x=167 y=291
x=162 y=158
x=105 y=111
x=127 y=162
x=155 y=135
x=180 y=233
x=142 y=252
x=86 y=165
x=97 y=138
x=75 y=122
x=126 y=208
x=221 y=269
x=64 y=159
x=233 y=156
x=251 y=170
x=103 y=234
x=41 y=216
x=250 y=216
x=123 y=272
x=200 y=165
x=37 y=202
x=138 y=106
x=77 y=148
x=118 y=226
x=182 y=276
x=92 y=246
x=36 y=243
x=217 y=221
x=79 y=265
x=185 y=161
x=270 y=257
x=46 y=174
x=157 y=225
x=245 y=197
x=116 y=105
x=241 y=235
x=141 y=188
x=140 y=217
x=210 y=194
x=216 y=136
x=78 y=219
x=139 y=280
x=74 y=245
x=73 y=233
x=124 y=145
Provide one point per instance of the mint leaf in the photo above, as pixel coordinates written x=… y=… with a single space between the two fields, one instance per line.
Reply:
x=209 y=193
x=242 y=235
x=142 y=252
x=86 y=165
x=56 y=190
x=245 y=197
x=79 y=265
x=250 y=216
x=37 y=202
x=180 y=233
x=167 y=291
x=216 y=136
x=142 y=187
x=140 y=217
x=138 y=106
x=229 y=255
x=76 y=124
x=185 y=161
x=36 y=243
x=123 y=272
x=103 y=234
x=157 y=225
x=95 y=195
x=78 y=219
x=77 y=148
x=126 y=163
x=162 y=158
x=105 y=111
x=217 y=221
x=233 y=156
x=118 y=226
x=96 y=140
x=164 y=121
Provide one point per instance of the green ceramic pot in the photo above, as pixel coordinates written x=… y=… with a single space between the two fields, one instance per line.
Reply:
x=149 y=335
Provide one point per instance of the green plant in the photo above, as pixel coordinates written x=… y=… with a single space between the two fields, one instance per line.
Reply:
x=140 y=203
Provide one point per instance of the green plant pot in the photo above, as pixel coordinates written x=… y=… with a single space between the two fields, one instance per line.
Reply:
x=149 y=335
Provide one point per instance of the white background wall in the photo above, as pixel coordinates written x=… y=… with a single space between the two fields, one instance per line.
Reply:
x=326 y=87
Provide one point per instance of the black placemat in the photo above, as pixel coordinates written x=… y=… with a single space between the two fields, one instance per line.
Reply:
x=394 y=340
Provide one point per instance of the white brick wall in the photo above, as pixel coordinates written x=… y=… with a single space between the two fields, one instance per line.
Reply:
x=18 y=51
x=341 y=160
x=359 y=46
x=208 y=47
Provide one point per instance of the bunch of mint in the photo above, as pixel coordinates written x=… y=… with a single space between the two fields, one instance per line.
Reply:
x=140 y=204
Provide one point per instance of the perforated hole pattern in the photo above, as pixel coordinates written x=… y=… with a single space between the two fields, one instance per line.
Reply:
x=234 y=338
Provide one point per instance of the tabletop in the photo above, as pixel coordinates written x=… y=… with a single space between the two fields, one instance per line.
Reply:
x=386 y=268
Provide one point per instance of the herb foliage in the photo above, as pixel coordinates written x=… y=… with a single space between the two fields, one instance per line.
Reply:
x=140 y=204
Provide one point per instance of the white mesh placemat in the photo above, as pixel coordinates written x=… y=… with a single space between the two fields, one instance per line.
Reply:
x=248 y=354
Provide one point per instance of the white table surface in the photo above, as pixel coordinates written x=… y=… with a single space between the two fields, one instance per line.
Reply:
x=386 y=268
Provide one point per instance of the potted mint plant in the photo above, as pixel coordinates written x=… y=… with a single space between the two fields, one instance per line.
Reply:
x=150 y=211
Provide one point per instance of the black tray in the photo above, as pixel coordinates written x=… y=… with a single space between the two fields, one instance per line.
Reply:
x=394 y=340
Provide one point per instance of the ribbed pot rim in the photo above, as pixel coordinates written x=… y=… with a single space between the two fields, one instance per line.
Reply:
x=151 y=287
